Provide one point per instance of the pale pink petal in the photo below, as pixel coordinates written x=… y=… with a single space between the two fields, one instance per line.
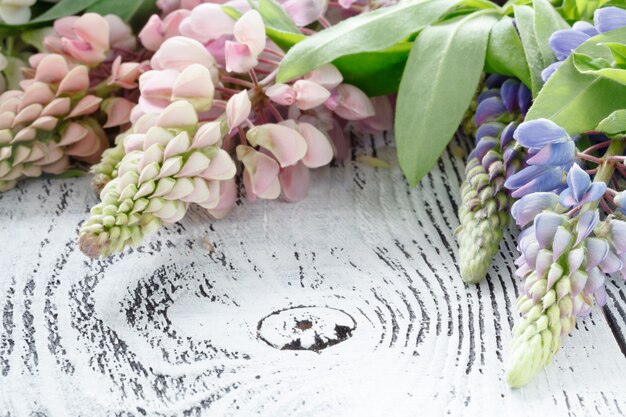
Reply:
x=294 y=182
x=238 y=109
x=319 y=151
x=350 y=103
x=250 y=31
x=327 y=76
x=309 y=94
x=239 y=58
x=282 y=94
x=260 y=170
x=285 y=143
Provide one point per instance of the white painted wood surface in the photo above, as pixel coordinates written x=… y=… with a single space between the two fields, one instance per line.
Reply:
x=172 y=329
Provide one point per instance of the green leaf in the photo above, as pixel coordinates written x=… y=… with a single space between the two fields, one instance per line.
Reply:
x=136 y=12
x=618 y=50
x=615 y=123
x=577 y=101
x=275 y=16
x=435 y=92
x=368 y=32
x=525 y=21
x=285 y=40
x=535 y=28
x=547 y=21
x=376 y=73
x=505 y=53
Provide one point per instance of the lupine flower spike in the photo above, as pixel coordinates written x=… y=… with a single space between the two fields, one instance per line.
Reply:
x=485 y=202
x=55 y=117
x=566 y=251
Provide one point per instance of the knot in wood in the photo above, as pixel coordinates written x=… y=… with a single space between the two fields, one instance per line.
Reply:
x=306 y=328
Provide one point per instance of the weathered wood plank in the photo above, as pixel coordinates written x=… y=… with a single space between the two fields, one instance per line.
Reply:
x=172 y=328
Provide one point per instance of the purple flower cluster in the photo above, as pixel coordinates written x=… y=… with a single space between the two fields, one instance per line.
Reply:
x=551 y=153
x=564 y=42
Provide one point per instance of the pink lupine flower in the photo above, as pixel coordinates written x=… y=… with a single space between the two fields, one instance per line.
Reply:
x=120 y=34
x=327 y=76
x=195 y=85
x=260 y=175
x=305 y=12
x=294 y=182
x=156 y=90
x=118 y=111
x=304 y=94
x=125 y=74
x=285 y=143
x=249 y=32
x=319 y=151
x=350 y=103
x=382 y=120
x=195 y=25
x=227 y=199
x=84 y=38
x=238 y=109
x=84 y=141
x=180 y=52
x=156 y=31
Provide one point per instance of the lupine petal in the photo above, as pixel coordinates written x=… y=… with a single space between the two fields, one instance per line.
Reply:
x=546 y=225
x=594 y=193
x=539 y=133
x=525 y=209
x=491 y=129
x=578 y=181
x=489 y=109
x=597 y=251
x=562 y=240
x=611 y=263
x=563 y=42
x=586 y=223
x=618 y=235
x=509 y=94
x=554 y=154
x=609 y=18
x=524 y=99
x=549 y=70
x=507 y=135
x=585 y=27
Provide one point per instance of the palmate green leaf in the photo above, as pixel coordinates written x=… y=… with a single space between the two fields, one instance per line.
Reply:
x=614 y=124
x=368 y=32
x=505 y=53
x=579 y=102
x=435 y=92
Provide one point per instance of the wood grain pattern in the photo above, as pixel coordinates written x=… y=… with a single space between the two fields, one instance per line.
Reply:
x=172 y=328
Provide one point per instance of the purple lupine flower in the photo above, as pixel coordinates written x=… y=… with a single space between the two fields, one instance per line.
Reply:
x=491 y=129
x=509 y=92
x=528 y=207
x=609 y=18
x=580 y=189
x=563 y=42
x=489 y=109
x=550 y=69
x=552 y=152
x=524 y=99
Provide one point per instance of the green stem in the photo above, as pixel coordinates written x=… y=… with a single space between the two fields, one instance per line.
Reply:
x=606 y=168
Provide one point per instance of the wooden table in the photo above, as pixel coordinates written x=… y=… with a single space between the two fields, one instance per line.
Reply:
x=346 y=304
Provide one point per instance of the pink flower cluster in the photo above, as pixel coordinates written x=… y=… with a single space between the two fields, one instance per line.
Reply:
x=226 y=70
